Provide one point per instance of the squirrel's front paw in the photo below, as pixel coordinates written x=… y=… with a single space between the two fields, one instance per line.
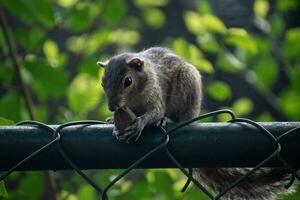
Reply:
x=133 y=132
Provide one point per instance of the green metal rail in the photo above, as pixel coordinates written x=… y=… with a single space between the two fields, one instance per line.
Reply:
x=196 y=145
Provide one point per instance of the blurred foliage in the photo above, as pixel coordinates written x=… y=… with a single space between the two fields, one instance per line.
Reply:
x=59 y=42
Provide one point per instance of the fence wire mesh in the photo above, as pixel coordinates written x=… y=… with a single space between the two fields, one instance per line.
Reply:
x=166 y=137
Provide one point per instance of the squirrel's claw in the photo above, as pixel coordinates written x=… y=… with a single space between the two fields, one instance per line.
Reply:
x=133 y=132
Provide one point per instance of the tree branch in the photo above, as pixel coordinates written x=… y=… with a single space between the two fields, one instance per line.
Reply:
x=49 y=177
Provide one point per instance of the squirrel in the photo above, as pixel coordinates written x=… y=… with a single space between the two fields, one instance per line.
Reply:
x=156 y=84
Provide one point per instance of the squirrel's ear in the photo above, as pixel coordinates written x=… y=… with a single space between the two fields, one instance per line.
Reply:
x=102 y=64
x=137 y=64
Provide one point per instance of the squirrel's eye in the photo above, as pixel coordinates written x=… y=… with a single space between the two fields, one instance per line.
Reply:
x=127 y=82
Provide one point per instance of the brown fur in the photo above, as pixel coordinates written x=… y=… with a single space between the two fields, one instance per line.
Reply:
x=168 y=86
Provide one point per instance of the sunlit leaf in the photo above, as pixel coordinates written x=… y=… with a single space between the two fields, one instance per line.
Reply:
x=124 y=37
x=291 y=43
x=219 y=90
x=51 y=52
x=290 y=104
x=239 y=37
x=242 y=106
x=66 y=3
x=180 y=47
x=97 y=40
x=194 y=23
x=230 y=63
x=84 y=93
x=86 y=192
x=214 y=24
x=114 y=10
x=266 y=71
x=261 y=8
x=203 y=65
x=192 y=54
x=3 y=192
x=155 y=18
x=150 y=3
x=76 y=43
x=208 y=43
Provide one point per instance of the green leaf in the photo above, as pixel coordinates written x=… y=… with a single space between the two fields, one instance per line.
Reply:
x=84 y=93
x=219 y=90
x=277 y=25
x=29 y=38
x=287 y=5
x=76 y=44
x=261 y=8
x=124 y=37
x=89 y=66
x=4 y=121
x=294 y=74
x=3 y=192
x=31 y=185
x=86 y=192
x=115 y=10
x=208 y=43
x=290 y=104
x=204 y=7
x=214 y=24
x=242 y=106
x=266 y=70
x=11 y=106
x=154 y=17
x=51 y=51
x=48 y=82
x=97 y=40
x=230 y=63
x=265 y=117
x=32 y=11
x=80 y=19
x=150 y=3
x=201 y=24
x=263 y=45
x=66 y=3
x=180 y=46
x=192 y=54
x=240 y=38
x=6 y=74
x=194 y=23
x=291 y=43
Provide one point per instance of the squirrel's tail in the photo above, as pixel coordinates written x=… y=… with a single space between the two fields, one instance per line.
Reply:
x=263 y=184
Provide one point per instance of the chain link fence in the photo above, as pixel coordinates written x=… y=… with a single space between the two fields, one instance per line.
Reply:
x=166 y=134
